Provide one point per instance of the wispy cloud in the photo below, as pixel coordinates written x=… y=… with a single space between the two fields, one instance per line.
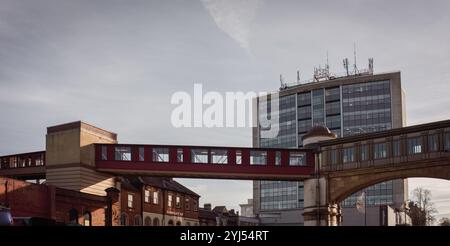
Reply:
x=234 y=17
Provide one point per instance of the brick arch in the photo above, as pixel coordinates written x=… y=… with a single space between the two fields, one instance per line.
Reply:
x=343 y=185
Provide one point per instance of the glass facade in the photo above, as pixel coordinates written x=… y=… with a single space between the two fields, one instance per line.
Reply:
x=366 y=107
x=345 y=110
x=287 y=136
x=378 y=194
x=277 y=195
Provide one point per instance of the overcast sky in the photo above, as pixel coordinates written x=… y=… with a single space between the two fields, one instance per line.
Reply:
x=116 y=64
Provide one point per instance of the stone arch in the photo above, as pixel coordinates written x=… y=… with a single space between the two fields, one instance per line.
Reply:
x=137 y=220
x=341 y=187
x=147 y=221
x=123 y=219
x=156 y=222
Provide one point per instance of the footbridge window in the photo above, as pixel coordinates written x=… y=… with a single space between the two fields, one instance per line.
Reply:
x=219 y=156
x=123 y=154
x=348 y=155
x=380 y=150
x=199 y=156
x=104 y=153
x=180 y=155
x=238 y=157
x=447 y=141
x=414 y=145
x=364 y=152
x=141 y=154
x=297 y=159
x=258 y=157
x=396 y=148
x=161 y=154
x=277 y=158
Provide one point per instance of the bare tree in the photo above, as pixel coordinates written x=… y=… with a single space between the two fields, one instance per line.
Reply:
x=424 y=211
x=444 y=222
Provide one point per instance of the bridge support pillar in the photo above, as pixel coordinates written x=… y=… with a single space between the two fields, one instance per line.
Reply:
x=318 y=211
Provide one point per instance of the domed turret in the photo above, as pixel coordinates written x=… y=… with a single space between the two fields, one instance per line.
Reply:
x=317 y=134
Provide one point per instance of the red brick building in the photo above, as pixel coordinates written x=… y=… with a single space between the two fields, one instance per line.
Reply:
x=155 y=201
x=126 y=207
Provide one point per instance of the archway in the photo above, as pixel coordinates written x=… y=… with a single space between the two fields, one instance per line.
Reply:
x=156 y=222
x=148 y=221
x=378 y=205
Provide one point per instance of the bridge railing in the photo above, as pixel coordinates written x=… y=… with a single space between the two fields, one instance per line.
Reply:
x=24 y=160
x=393 y=147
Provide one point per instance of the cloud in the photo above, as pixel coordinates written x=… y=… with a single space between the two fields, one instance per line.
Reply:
x=234 y=17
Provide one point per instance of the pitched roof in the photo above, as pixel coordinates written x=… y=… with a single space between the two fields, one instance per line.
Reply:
x=168 y=184
x=205 y=213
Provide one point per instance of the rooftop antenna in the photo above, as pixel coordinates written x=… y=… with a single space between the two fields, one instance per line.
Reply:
x=283 y=85
x=328 y=65
x=371 y=65
x=354 y=56
x=345 y=61
x=298 y=77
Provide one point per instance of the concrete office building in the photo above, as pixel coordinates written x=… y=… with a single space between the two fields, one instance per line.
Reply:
x=356 y=103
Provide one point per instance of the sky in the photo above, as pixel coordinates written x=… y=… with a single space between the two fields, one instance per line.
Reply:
x=115 y=64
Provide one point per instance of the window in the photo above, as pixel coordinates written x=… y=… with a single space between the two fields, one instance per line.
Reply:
x=219 y=156
x=187 y=204
x=432 y=142
x=160 y=154
x=364 y=152
x=130 y=200
x=137 y=220
x=155 y=197
x=169 y=201
x=147 y=196
x=104 y=153
x=141 y=153
x=333 y=157
x=238 y=157
x=277 y=158
x=180 y=157
x=123 y=219
x=396 y=148
x=123 y=154
x=73 y=216
x=414 y=146
x=447 y=141
x=87 y=219
x=258 y=157
x=380 y=150
x=148 y=221
x=348 y=155
x=199 y=155
x=155 y=222
x=170 y=223
x=195 y=205
x=297 y=159
x=178 y=202
x=39 y=161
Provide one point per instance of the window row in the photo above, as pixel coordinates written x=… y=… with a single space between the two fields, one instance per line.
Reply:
x=414 y=145
x=205 y=156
